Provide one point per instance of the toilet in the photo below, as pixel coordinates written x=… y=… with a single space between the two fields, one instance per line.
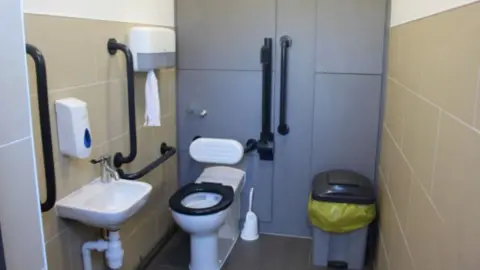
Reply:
x=209 y=208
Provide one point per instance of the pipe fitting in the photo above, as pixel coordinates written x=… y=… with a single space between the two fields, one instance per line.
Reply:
x=114 y=253
x=112 y=248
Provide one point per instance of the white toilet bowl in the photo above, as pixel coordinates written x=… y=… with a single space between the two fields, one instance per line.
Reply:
x=201 y=224
x=206 y=210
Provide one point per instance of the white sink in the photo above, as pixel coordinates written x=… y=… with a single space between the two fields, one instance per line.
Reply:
x=105 y=205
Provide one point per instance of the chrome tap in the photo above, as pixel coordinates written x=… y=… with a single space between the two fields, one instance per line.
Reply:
x=108 y=172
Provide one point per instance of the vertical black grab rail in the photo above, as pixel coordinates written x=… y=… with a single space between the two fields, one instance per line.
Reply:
x=265 y=144
x=285 y=42
x=45 y=127
x=119 y=159
x=266 y=59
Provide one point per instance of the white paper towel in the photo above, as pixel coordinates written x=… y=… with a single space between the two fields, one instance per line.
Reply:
x=152 y=101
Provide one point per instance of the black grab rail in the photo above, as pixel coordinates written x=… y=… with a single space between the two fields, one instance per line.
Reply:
x=166 y=151
x=119 y=159
x=45 y=127
x=283 y=128
x=266 y=60
x=264 y=145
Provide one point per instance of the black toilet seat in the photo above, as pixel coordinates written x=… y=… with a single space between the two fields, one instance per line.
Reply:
x=226 y=192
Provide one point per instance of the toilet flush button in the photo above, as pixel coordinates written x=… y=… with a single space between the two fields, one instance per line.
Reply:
x=218 y=151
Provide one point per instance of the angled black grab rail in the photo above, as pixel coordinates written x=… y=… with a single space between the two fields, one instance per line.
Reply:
x=166 y=151
x=283 y=128
x=119 y=159
x=45 y=127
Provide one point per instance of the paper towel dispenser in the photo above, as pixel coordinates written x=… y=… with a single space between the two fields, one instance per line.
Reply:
x=152 y=48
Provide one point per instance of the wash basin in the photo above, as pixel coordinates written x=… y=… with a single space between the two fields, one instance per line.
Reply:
x=104 y=205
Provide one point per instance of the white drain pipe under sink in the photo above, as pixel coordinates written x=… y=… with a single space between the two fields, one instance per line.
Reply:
x=112 y=248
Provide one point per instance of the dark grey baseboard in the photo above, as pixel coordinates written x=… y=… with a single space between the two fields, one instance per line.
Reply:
x=145 y=262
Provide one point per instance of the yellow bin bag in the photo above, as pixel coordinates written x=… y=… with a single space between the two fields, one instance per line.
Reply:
x=341 y=201
x=340 y=217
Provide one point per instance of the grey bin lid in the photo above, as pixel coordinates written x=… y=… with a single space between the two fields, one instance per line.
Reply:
x=343 y=186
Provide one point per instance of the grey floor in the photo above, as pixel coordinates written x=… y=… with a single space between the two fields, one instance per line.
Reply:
x=267 y=253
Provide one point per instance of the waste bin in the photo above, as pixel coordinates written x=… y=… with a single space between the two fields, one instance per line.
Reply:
x=341 y=206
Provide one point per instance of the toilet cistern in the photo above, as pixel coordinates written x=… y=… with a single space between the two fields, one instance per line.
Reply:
x=107 y=169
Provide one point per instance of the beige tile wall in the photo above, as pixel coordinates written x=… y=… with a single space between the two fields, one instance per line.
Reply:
x=429 y=172
x=79 y=66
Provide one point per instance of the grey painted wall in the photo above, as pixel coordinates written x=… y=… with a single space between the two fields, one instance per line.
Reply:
x=350 y=36
x=334 y=90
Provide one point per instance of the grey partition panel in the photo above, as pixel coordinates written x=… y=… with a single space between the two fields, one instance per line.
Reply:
x=346 y=122
x=350 y=36
x=223 y=34
x=293 y=152
x=231 y=98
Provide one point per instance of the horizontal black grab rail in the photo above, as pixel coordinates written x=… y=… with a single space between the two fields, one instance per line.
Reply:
x=45 y=127
x=166 y=151
x=119 y=159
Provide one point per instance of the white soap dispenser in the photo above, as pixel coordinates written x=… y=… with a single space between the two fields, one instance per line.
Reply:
x=74 y=137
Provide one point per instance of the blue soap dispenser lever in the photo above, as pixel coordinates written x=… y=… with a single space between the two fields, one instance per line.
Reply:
x=87 y=139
